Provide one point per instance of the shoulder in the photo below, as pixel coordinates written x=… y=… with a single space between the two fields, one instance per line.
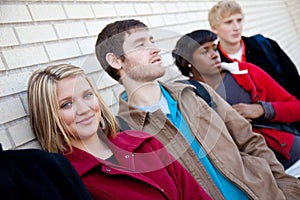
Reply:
x=132 y=139
x=248 y=66
x=254 y=71
x=258 y=39
x=177 y=88
x=32 y=154
x=134 y=134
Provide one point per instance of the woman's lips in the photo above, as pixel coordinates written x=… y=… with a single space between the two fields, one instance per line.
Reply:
x=86 y=120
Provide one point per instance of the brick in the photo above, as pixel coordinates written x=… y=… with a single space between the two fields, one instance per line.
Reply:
x=167 y=59
x=31 y=145
x=182 y=18
x=7 y=37
x=11 y=110
x=171 y=7
x=158 y=8
x=114 y=109
x=70 y=30
x=200 y=6
x=24 y=56
x=94 y=28
x=104 y=10
x=156 y=20
x=79 y=11
x=170 y=19
x=13 y=83
x=143 y=19
x=2 y=67
x=47 y=12
x=63 y=50
x=103 y=80
x=142 y=8
x=21 y=133
x=87 y=46
x=108 y=97
x=125 y=9
x=14 y=13
x=41 y=33
x=4 y=140
x=183 y=7
x=90 y=64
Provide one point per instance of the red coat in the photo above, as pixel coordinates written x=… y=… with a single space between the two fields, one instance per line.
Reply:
x=146 y=171
x=287 y=108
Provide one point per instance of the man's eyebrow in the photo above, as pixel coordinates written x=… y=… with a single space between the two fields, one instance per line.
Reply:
x=141 y=39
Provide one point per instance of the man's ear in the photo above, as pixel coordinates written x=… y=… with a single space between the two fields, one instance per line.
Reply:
x=113 y=61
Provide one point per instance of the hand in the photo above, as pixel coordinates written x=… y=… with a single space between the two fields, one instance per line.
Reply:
x=249 y=111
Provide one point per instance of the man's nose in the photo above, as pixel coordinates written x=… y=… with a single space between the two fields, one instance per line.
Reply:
x=154 y=49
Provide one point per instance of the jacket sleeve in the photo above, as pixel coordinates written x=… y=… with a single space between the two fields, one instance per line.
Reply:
x=187 y=186
x=253 y=144
x=286 y=106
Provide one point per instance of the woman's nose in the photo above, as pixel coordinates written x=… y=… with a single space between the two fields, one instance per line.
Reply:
x=82 y=107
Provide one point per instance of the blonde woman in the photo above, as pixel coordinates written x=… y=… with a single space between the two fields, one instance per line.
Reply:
x=68 y=116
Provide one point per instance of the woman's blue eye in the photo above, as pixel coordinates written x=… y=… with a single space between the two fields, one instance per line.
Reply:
x=66 y=105
x=88 y=94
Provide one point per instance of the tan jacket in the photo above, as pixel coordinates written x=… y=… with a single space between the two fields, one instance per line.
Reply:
x=239 y=154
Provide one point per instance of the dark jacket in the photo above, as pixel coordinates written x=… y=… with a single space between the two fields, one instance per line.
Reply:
x=289 y=78
x=36 y=174
x=145 y=171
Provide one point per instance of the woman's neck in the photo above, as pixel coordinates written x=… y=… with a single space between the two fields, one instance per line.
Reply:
x=95 y=146
x=213 y=80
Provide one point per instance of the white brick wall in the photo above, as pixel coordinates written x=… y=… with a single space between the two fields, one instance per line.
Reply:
x=35 y=34
x=47 y=12
x=42 y=33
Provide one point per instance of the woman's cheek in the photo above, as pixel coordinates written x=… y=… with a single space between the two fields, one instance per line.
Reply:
x=68 y=117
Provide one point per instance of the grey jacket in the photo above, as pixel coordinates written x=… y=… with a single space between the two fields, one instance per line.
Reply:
x=239 y=154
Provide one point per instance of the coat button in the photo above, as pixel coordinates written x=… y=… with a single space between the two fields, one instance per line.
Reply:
x=283 y=144
x=107 y=169
x=127 y=156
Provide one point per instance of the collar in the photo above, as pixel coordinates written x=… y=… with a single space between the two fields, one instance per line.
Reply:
x=122 y=147
x=83 y=161
x=243 y=57
x=172 y=104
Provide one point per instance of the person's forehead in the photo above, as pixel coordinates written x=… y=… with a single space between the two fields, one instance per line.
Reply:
x=137 y=34
x=232 y=15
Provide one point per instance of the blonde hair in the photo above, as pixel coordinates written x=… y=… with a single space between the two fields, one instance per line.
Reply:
x=43 y=106
x=222 y=10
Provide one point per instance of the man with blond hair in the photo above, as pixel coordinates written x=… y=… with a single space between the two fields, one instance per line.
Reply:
x=226 y=20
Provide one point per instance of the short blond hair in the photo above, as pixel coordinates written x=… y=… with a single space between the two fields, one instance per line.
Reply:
x=221 y=10
x=43 y=107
